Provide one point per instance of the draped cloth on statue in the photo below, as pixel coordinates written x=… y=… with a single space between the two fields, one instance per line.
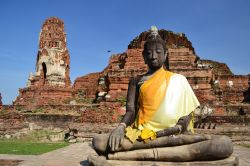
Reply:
x=164 y=98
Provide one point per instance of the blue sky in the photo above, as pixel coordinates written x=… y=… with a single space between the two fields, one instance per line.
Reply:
x=218 y=29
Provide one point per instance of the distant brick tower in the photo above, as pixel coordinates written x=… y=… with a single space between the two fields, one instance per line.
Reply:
x=53 y=62
x=50 y=84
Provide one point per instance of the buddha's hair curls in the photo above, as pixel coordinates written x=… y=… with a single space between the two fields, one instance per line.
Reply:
x=154 y=37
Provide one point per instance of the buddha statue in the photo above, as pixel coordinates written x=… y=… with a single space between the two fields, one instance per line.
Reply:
x=158 y=124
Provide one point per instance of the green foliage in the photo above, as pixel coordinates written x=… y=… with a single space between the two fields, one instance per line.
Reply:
x=2 y=112
x=28 y=148
x=52 y=102
x=84 y=101
x=18 y=108
x=122 y=100
x=215 y=86
x=246 y=145
x=81 y=93
x=67 y=101
x=32 y=101
x=38 y=110
x=113 y=55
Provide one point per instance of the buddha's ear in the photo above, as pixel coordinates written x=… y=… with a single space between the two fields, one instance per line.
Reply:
x=166 y=60
x=144 y=57
x=165 y=55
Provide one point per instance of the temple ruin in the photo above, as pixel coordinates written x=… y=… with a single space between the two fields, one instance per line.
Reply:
x=213 y=82
x=50 y=84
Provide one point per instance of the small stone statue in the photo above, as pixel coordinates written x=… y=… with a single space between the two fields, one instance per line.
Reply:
x=158 y=124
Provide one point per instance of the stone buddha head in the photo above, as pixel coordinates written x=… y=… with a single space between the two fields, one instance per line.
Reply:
x=155 y=51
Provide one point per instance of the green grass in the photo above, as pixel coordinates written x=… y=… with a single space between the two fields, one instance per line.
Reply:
x=36 y=135
x=246 y=145
x=28 y=148
x=30 y=144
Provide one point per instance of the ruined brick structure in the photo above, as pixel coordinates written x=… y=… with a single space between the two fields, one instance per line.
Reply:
x=213 y=82
x=51 y=82
x=87 y=86
x=52 y=65
x=182 y=59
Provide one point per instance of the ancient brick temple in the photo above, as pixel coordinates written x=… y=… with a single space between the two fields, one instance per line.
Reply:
x=213 y=82
x=50 y=84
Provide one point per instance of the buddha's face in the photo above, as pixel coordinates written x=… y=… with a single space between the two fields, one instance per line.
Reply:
x=154 y=55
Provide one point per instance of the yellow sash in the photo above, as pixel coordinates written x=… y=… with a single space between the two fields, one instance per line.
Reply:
x=151 y=94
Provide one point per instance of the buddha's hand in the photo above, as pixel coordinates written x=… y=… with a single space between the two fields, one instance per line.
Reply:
x=116 y=137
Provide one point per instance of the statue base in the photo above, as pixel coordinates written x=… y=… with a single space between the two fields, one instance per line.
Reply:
x=96 y=160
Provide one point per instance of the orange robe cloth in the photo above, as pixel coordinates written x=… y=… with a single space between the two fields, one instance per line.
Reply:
x=151 y=93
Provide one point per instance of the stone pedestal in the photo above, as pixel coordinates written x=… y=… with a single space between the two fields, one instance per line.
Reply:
x=100 y=160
